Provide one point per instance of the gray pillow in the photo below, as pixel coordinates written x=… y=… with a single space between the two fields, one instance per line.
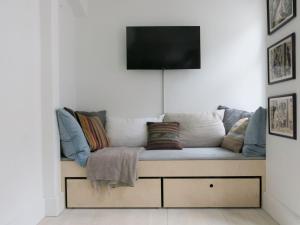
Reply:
x=71 y=111
x=231 y=116
x=73 y=142
x=255 y=136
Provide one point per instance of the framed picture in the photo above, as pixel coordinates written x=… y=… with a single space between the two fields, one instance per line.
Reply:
x=280 y=12
x=282 y=60
x=282 y=112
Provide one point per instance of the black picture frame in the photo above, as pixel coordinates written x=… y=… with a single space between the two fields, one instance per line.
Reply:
x=292 y=55
x=293 y=111
x=284 y=22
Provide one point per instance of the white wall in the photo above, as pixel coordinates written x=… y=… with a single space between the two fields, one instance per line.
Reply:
x=21 y=193
x=282 y=200
x=233 y=57
x=54 y=198
x=68 y=53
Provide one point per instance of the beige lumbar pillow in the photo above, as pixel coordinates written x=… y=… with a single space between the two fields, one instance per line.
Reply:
x=204 y=129
x=234 y=140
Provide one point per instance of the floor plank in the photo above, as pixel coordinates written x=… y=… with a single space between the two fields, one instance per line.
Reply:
x=161 y=217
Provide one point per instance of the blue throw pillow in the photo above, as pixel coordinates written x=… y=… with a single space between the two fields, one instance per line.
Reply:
x=73 y=141
x=255 y=136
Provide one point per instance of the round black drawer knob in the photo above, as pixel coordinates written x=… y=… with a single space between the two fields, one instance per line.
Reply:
x=211 y=185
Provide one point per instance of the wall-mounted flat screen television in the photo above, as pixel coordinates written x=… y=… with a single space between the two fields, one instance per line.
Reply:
x=163 y=47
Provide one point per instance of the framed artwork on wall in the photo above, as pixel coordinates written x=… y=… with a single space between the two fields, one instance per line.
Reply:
x=282 y=60
x=282 y=111
x=280 y=12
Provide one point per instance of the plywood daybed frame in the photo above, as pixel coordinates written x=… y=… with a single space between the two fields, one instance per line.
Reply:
x=172 y=184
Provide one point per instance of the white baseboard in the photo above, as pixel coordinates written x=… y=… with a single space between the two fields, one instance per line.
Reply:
x=282 y=214
x=30 y=214
x=54 y=206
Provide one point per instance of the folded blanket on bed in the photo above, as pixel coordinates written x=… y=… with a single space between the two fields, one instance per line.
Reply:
x=113 y=166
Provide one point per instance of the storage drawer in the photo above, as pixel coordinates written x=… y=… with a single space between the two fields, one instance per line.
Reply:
x=81 y=194
x=212 y=192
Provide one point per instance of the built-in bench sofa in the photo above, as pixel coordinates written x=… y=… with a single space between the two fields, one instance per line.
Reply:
x=192 y=177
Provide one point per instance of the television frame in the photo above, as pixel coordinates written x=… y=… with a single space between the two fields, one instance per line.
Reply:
x=200 y=57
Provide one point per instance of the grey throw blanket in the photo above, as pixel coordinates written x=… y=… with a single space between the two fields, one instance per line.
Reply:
x=113 y=166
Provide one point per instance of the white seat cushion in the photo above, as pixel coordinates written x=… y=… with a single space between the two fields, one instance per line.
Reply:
x=211 y=153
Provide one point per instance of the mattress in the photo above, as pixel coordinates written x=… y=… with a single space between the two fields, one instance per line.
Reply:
x=209 y=153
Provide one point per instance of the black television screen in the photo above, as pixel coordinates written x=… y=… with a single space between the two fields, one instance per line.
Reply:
x=163 y=47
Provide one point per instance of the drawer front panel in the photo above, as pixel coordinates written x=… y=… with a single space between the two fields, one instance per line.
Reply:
x=215 y=192
x=81 y=194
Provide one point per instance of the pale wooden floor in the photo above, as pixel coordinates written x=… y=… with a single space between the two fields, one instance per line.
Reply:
x=161 y=217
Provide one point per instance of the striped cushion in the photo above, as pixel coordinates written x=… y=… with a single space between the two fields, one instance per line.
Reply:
x=163 y=135
x=94 y=131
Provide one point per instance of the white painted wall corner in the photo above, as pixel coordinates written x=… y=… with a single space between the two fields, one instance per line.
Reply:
x=282 y=214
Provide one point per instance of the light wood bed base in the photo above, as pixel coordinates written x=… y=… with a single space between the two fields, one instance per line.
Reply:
x=174 y=183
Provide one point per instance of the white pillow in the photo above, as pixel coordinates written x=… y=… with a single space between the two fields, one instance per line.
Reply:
x=203 y=129
x=129 y=132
